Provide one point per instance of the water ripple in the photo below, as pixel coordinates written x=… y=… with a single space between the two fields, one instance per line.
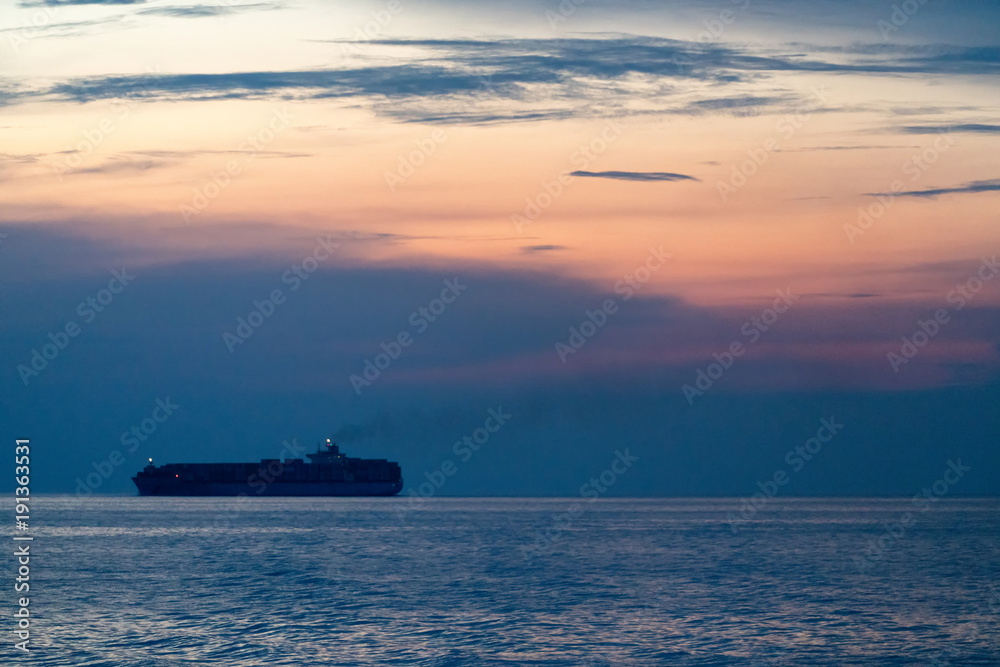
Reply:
x=289 y=582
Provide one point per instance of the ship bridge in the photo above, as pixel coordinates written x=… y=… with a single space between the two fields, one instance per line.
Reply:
x=328 y=454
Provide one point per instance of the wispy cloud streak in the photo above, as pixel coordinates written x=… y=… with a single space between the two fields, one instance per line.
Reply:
x=991 y=185
x=635 y=175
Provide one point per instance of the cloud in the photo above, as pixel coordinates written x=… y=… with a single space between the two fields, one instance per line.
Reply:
x=843 y=295
x=629 y=54
x=522 y=80
x=198 y=153
x=542 y=248
x=391 y=81
x=493 y=347
x=125 y=164
x=70 y=3
x=980 y=128
x=473 y=118
x=992 y=185
x=741 y=102
x=501 y=334
x=201 y=11
x=23 y=158
x=837 y=148
x=66 y=29
x=635 y=175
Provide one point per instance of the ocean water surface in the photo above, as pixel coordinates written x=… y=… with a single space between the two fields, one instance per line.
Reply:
x=295 y=581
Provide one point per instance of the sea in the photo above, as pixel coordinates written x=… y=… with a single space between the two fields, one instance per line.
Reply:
x=164 y=582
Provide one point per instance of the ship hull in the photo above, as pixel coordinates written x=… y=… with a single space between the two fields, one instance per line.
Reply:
x=328 y=474
x=274 y=489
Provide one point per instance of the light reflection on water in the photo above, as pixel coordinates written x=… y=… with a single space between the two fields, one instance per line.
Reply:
x=296 y=581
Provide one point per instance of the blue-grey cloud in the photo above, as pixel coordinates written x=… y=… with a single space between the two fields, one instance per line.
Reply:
x=635 y=175
x=70 y=3
x=202 y=11
x=391 y=81
x=981 y=128
x=485 y=81
x=741 y=102
x=621 y=55
x=992 y=185
x=473 y=118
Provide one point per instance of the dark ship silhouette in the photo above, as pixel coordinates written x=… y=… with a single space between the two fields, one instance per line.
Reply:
x=329 y=473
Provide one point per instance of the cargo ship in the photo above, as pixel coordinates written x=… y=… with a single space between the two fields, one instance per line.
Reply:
x=328 y=473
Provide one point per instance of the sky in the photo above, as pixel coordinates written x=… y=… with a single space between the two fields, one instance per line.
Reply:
x=688 y=230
